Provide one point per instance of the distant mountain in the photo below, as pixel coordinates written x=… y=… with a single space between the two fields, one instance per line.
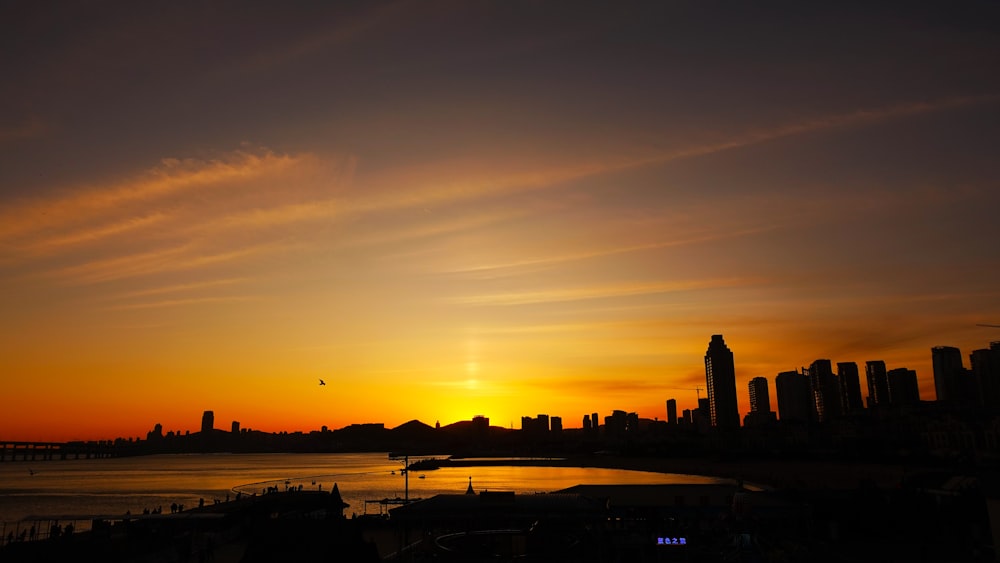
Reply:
x=460 y=426
x=413 y=425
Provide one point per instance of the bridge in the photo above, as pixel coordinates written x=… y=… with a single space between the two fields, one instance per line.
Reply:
x=45 y=451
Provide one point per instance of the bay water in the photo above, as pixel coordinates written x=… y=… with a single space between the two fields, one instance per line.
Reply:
x=63 y=488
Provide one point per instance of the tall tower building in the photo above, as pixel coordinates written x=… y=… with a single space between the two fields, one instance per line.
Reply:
x=794 y=397
x=850 y=386
x=903 y=387
x=985 y=365
x=720 y=379
x=672 y=411
x=825 y=389
x=948 y=373
x=207 y=421
x=878 y=383
x=760 y=401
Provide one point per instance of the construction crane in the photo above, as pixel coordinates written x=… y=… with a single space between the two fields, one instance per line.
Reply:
x=697 y=390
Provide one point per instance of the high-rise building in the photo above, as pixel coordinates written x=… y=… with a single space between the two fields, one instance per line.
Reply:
x=720 y=379
x=948 y=373
x=985 y=366
x=760 y=401
x=878 y=384
x=794 y=397
x=760 y=404
x=235 y=429
x=594 y=422
x=825 y=390
x=481 y=424
x=616 y=424
x=903 y=387
x=528 y=424
x=850 y=387
x=672 y=411
x=555 y=424
x=543 y=422
x=207 y=421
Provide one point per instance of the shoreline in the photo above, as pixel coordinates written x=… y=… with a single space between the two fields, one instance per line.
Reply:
x=771 y=474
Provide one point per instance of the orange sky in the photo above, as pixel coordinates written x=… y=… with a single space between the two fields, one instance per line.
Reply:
x=454 y=209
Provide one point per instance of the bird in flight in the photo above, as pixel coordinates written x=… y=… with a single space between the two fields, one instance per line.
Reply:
x=321 y=382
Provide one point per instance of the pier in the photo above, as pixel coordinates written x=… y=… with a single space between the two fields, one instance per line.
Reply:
x=47 y=451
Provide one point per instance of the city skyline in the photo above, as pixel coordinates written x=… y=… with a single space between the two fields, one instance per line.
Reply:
x=802 y=399
x=444 y=209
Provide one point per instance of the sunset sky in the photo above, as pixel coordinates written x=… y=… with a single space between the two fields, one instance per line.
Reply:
x=446 y=209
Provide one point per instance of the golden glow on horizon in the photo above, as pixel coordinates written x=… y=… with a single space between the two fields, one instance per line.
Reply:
x=437 y=249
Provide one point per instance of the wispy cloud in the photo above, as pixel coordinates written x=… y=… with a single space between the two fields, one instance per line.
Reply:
x=488 y=270
x=183 y=215
x=119 y=266
x=158 y=262
x=596 y=292
x=172 y=176
x=812 y=125
x=427 y=226
x=183 y=302
x=95 y=233
x=182 y=288
x=347 y=30
x=449 y=182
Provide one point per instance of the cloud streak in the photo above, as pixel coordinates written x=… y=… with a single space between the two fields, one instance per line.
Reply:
x=453 y=182
x=182 y=288
x=171 y=177
x=183 y=302
x=489 y=270
x=596 y=292
x=157 y=262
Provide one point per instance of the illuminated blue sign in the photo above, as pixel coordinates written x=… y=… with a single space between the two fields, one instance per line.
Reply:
x=671 y=541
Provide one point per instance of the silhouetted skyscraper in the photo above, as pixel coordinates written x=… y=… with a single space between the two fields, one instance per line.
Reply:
x=207 y=421
x=236 y=427
x=948 y=373
x=720 y=379
x=536 y=426
x=794 y=396
x=878 y=384
x=985 y=366
x=850 y=386
x=616 y=423
x=760 y=404
x=825 y=389
x=760 y=400
x=555 y=424
x=672 y=411
x=903 y=387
